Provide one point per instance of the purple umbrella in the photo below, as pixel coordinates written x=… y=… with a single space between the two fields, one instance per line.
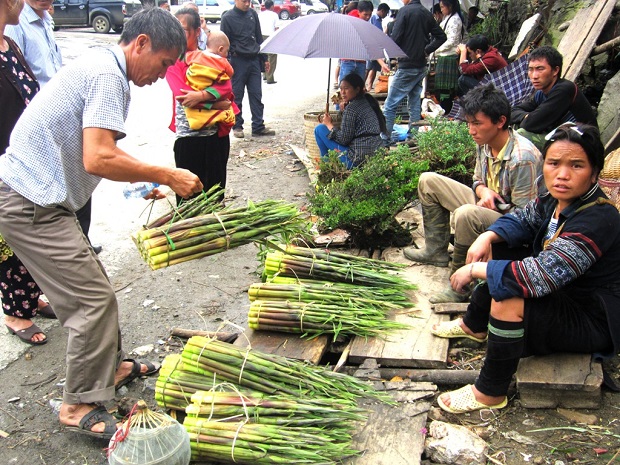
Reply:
x=332 y=35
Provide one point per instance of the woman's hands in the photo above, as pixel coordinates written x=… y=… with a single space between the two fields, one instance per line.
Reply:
x=327 y=121
x=480 y=250
x=461 y=278
x=194 y=98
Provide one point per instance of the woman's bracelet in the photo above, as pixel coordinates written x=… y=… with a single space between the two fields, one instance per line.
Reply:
x=471 y=272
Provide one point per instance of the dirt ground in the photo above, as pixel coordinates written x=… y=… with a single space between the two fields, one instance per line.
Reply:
x=204 y=294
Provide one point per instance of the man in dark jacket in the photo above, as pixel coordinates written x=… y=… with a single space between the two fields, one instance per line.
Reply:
x=555 y=101
x=477 y=58
x=242 y=27
x=413 y=26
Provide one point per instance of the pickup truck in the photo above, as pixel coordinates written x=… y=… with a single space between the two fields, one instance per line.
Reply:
x=102 y=15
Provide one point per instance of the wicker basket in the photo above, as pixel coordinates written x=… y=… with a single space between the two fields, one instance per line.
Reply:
x=311 y=121
x=609 y=179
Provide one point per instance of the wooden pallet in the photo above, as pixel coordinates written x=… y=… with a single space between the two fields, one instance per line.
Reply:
x=286 y=345
x=415 y=347
x=581 y=36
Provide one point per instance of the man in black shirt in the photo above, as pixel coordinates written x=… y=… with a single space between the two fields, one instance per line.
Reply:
x=242 y=27
x=556 y=100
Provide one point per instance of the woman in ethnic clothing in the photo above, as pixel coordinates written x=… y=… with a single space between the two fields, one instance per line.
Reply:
x=565 y=297
x=18 y=85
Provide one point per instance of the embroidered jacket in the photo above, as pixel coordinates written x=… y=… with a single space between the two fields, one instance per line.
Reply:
x=583 y=260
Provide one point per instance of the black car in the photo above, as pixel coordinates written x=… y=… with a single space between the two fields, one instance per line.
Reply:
x=102 y=15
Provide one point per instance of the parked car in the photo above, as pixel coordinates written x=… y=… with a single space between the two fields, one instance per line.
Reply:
x=310 y=7
x=212 y=10
x=286 y=9
x=102 y=15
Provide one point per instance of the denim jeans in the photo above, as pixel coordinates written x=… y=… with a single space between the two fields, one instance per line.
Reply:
x=406 y=82
x=326 y=144
x=350 y=66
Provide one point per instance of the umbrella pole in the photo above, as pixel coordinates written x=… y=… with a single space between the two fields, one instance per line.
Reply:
x=329 y=75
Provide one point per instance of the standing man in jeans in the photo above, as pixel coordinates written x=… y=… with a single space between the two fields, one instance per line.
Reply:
x=242 y=27
x=412 y=28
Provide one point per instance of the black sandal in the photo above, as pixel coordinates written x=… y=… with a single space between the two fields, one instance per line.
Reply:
x=152 y=368
x=97 y=415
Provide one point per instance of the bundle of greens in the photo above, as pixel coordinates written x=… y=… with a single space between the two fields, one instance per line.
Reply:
x=304 y=263
x=217 y=232
x=226 y=403
x=205 y=362
x=310 y=290
x=251 y=443
x=315 y=318
x=202 y=204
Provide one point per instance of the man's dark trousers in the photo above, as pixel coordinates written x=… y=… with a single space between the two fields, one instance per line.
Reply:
x=248 y=74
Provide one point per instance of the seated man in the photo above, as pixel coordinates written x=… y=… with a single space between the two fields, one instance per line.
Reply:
x=507 y=166
x=555 y=101
x=477 y=58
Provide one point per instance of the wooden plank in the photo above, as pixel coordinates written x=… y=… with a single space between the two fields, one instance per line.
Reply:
x=581 y=36
x=393 y=434
x=286 y=345
x=415 y=347
x=450 y=308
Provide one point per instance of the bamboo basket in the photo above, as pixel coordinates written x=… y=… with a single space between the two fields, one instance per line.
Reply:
x=609 y=179
x=311 y=121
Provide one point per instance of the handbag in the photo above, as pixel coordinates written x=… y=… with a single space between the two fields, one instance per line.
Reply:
x=382 y=84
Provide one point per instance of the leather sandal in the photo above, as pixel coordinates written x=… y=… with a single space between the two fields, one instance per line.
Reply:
x=97 y=415
x=27 y=333
x=152 y=368
x=452 y=329
x=47 y=312
x=463 y=400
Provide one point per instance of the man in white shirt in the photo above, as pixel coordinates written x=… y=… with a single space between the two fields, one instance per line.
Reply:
x=268 y=25
x=62 y=146
x=35 y=36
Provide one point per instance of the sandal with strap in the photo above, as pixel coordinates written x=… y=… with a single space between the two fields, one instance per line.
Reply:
x=27 y=333
x=463 y=400
x=152 y=368
x=452 y=329
x=97 y=415
x=47 y=312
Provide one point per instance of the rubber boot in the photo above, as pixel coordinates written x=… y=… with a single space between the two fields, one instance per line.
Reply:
x=449 y=295
x=436 y=221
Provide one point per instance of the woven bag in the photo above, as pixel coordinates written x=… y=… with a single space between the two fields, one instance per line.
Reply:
x=609 y=179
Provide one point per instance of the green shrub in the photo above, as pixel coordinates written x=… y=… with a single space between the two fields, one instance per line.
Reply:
x=449 y=149
x=366 y=202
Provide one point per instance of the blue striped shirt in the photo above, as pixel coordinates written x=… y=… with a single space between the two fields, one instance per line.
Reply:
x=35 y=37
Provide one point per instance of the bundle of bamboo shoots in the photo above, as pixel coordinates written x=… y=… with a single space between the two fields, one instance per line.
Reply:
x=305 y=263
x=226 y=403
x=224 y=423
x=202 y=204
x=217 y=232
x=205 y=362
x=251 y=443
x=310 y=290
x=316 y=318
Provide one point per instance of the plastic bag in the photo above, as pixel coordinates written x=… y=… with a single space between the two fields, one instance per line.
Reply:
x=431 y=109
x=149 y=438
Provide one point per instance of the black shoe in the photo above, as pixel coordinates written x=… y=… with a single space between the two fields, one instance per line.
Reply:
x=272 y=82
x=97 y=249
